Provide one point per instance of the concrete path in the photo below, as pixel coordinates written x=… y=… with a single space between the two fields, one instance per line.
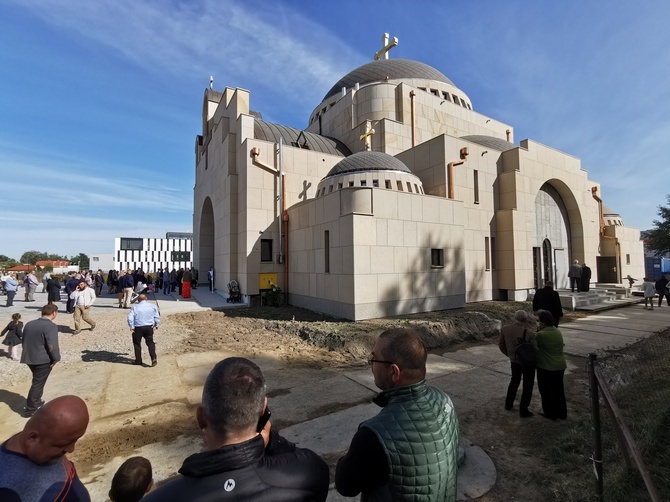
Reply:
x=316 y=409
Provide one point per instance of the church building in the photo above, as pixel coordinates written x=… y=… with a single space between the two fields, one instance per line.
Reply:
x=397 y=197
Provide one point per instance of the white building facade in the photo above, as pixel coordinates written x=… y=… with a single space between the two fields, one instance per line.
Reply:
x=149 y=254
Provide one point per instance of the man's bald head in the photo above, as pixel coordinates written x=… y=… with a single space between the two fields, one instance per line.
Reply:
x=54 y=429
x=142 y=297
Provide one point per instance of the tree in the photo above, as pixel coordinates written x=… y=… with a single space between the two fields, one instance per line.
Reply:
x=81 y=260
x=32 y=257
x=657 y=240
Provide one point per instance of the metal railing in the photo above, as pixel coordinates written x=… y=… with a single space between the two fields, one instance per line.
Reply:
x=613 y=375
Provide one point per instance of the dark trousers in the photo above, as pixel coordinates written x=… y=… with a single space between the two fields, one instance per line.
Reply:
x=550 y=384
x=662 y=294
x=575 y=283
x=10 y=298
x=69 y=306
x=40 y=375
x=528 y=375
x=146 y=332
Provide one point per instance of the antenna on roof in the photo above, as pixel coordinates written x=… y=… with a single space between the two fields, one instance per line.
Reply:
x=211 y=82
x=384 y=52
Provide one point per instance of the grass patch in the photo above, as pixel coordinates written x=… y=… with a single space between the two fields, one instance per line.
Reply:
x=639 y=379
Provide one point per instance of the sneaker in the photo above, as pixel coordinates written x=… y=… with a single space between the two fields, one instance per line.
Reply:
x=154 y=363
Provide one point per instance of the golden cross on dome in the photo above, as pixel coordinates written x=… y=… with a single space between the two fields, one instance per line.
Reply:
x=384 y=52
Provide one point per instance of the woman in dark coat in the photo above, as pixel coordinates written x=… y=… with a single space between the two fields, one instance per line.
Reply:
x=585 y=280
x=53 y=290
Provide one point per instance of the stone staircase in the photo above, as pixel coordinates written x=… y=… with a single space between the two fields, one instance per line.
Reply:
x=601 y=297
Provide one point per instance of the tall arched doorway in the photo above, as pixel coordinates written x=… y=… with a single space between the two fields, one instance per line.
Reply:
x=551 y=239
x=206 y=244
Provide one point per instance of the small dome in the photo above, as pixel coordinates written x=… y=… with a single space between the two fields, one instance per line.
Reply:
x=368 y=161
x=394 y=69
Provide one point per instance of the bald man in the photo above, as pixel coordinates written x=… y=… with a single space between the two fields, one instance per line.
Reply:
x=33 y=465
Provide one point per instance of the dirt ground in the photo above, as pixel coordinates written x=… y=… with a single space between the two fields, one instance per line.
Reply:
x=306 y=341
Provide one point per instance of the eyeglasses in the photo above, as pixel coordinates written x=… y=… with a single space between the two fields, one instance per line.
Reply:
x=371 y=361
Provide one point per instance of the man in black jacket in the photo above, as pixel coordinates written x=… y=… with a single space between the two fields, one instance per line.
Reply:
x=548 y=299
x=244 y=458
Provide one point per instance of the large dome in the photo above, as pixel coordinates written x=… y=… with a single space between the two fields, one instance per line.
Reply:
x=368 y=161
x=394 y=69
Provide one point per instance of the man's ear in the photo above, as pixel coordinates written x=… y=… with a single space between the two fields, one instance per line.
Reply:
x=395 y=373
x=200 y=418
x=265 y=405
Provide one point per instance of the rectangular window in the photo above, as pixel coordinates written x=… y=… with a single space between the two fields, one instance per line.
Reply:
x=387 y=184
x=487 y=253
x=494 y=260
x=435 y=92
x=409 y=187
x=326 y=251
x=339 y=186
x=375 y=183
x=399 y=185
x=456 y=99
x=446 y=96
x=364 y=183
x=351 y=183
x=131 y=244
x=627 y=259
x=266 y=250
x=330 y=188
x=476 y=183
x=437 y=257
x=181 y=256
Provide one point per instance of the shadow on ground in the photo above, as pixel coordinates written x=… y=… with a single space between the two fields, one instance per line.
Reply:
x=89 y=356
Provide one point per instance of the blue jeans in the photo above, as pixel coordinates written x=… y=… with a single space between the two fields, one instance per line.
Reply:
x=166 y=288
x=10 y=298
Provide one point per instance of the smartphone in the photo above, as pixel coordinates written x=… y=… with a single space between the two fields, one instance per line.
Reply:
x=263 y=420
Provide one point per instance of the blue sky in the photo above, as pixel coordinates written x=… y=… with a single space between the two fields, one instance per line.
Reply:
x=100 y=101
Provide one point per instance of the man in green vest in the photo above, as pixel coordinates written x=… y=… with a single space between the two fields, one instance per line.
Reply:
x=409 y=451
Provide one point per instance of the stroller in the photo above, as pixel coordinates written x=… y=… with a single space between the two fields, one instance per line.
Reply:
x=139 y=289
x=234 y=295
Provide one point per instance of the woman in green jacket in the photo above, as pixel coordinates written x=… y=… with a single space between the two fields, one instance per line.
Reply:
x=550 y=367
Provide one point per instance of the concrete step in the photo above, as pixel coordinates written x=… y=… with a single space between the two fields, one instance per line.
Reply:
x=596 y=299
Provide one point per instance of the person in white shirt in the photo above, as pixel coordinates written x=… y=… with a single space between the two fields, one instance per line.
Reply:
x=83 y=297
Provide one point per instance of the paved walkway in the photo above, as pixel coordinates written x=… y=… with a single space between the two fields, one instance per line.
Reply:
x=325 y=406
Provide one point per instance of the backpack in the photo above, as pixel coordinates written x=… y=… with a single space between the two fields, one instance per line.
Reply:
x=524 y=353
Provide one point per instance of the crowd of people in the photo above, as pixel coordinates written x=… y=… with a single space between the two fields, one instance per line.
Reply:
x=409 y=451
x=168 y=281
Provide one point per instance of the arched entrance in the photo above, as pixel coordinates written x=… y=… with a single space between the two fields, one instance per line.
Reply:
x=206 y=244
x=551 y=239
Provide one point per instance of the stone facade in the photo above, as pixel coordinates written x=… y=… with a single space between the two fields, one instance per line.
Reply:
x=468 y=215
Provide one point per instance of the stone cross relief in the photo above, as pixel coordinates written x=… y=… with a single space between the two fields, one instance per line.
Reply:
x=367 y=137
x=386 y=47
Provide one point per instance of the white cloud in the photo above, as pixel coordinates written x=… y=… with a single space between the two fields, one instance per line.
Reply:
x=204 y=37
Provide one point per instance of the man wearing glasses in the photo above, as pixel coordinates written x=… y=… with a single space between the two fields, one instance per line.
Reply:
x=409 y=451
